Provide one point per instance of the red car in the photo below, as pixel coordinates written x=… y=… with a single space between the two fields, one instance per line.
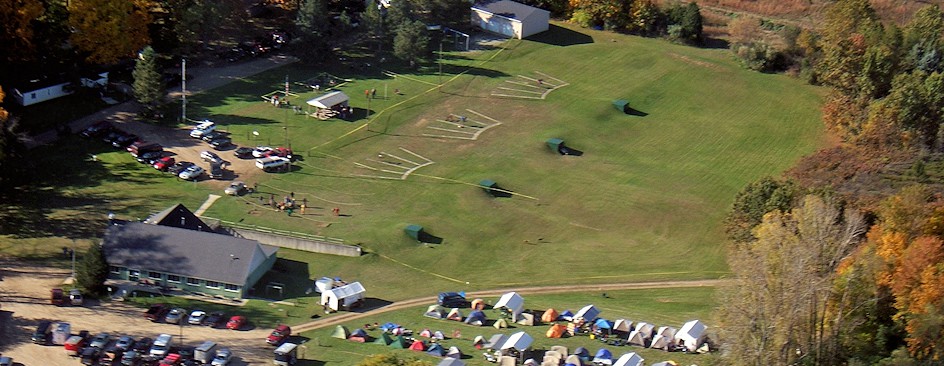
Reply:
x=279 y=335
x=171 y=360
x=280 y=152
x=236 y=322
x=163 y=163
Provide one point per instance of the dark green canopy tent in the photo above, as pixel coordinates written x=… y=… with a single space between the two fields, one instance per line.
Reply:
x=414 y=231
x=555 y=144
x=622 y=105
x=487 y=185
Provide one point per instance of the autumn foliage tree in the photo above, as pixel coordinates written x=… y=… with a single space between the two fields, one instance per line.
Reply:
x=16 y=28
x=107 y=31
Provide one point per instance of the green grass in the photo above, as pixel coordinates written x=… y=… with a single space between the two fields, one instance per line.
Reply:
x=659 y=307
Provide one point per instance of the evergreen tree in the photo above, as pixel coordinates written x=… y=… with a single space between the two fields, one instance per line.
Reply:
x=411 y=42
x=148 y=86
x=312 y=18
x=93 y=272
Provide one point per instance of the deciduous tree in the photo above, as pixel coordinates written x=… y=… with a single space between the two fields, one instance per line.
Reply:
x=16 y=28
x=753 y=202
x=411 y=42
x=107 y=31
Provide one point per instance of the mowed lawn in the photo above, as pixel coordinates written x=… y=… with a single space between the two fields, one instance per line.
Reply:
x=645 y=201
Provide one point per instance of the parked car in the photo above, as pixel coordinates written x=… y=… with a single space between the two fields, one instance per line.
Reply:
x=211 y=157
x=96 y=129
x=153 y=312
x=6 y=361
x=221 y=143
x=161 y=345
x=212 y=135
x=235 y=189
x=91 y=355
x=179 y=167
x=164 y=163
x=124 y=343
x=75 y=297
x=100 y=340
x=150 y=157
x=170 y=360
x=175 y=316
x=243 y=152
x=193 y=172
x=130 y=358
x=236 y=322
x=203 y=128
x=216 y=170
x=112 y=134
x=216 y=319
x=223 y=356
x=261 y=151
x=197 y=317
x=142 y=345
x=282 y=152
x=279 y=335
x=124 y=140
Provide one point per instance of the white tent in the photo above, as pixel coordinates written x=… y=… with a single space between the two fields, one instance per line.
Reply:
x=449 y=361
x=623 y=325
x=666 y=332
x=629 y=359
x=692 y=334
x=343 y=296
x=330 y=100
x=519 y=341
x=495 y=341
x=661 y=342
x=636 y=338
x=645 y=328
x=588 y=313
x=512 y=301
x=323 y=284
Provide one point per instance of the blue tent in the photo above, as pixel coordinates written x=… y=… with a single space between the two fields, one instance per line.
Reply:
x=604 y=324
x=389 y=327
x=603 y=356
x=582 y=353
x=476 y=316
x=566 y=315
x=436 y=350
x=358 y=333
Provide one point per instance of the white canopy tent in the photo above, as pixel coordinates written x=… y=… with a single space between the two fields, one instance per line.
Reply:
x=330 y=100
x=512 y=301
x=588 y=313
x=343 y=296
x=692 y=334
x=519 y=341
x=629 y=359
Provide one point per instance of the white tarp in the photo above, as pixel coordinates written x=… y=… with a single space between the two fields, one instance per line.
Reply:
x=329 y=100
x=588 y=313
x=519 y=341
x=343 y=296
x=629 y=359
x=323 y=284
x=512 y=301
x=692 y=334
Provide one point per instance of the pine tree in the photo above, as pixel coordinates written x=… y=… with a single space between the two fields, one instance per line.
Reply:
x=411 y=42
x=148 y=88
x=93 y=272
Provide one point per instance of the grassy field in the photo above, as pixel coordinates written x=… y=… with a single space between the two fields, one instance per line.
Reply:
x=659 y=307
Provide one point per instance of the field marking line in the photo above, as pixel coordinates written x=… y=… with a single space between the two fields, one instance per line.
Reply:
x=515 y=96
x=450 y=130
x=395 y=75
x=484 y=116
x=420 y=269
x=483 y=129
x=364 y=166
x=206 y=204
x=374 y=176
x=393 y=165
x=523 y=84
x=520 y=91
x=449 y=123
x=415 y=154
x=399 y=158
x=387 y=171
x=550 y=77
x=449 y=137
x=476 y=185
x=313 y=196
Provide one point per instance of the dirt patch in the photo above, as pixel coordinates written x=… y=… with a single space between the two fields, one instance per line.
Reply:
x=696 y=62
x=24 y=294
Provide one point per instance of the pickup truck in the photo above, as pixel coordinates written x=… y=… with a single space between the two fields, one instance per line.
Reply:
x=156 y=312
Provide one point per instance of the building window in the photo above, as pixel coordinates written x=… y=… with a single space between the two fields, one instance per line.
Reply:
x=212 y=284
x=114 y=269
x=230 y=287
x=154 y=275
x=173 y=278
x=193 y=281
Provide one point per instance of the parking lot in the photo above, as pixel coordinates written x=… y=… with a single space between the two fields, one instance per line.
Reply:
x=24 y=297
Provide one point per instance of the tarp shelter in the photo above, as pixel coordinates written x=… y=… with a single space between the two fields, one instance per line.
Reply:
x=622 y=105
x=519 y=341
x=450 y=361
x=413 y=231
x=454 y=314
x=496 y=341
x=567 y=315
x=550 y=315
x=603 y=357
x=435 y=349
x=341 y=332
x=438 y=335
x=384 y=339
x=526 y=319
x=389 y=327
x=332 y=100
x=692 y=334
x=588 y=313
x=556 y=331
x=435 y=312
x=400 y=343
x=476 y=317
x=500 y=323
x=358 y=335
x=418 y=345
x=637 y=338
x=344 y=296
x=488 y=186
x=511 y=301
x=454 y=352
x=629 y=359
x=623 y=325
x=478 y=304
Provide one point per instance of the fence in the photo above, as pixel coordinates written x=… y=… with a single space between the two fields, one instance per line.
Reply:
x=288 y=239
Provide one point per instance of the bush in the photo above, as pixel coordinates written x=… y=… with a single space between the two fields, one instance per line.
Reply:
x=582 y=18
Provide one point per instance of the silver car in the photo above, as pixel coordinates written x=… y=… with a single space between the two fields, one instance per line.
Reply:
x=192 y=172
x=235 y=188
x=223 y=356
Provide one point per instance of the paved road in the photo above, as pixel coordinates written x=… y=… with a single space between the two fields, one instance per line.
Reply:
x=204 y=78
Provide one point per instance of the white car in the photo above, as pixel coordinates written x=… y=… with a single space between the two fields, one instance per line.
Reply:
x=223 y=356
x=197 y=317
x=203 y=128
x=211 y=157
x=235 y=188
x=161 y=345
x=261 y=151
x=192 y=172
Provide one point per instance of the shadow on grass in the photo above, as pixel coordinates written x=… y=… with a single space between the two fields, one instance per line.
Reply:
x=291 y=275
x=560 y=36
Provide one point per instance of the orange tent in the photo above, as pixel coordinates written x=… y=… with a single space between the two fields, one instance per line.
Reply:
x=549 y=316
x=418 y=346
x=556 y=331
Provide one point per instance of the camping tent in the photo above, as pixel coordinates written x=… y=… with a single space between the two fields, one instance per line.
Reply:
x=511 y=301
x=476 y=317
x=526 y=319
x=622 y=105
x=418 y=345
x=435 y=349
x=553 y=358
x=438 y=335
x=332 y=100
x=454 y=314
x=645 y=329
x=500 y=323
x=478 y=304
x=343 y=297
x=519 y=341
x=478 y=342
x=623 y=325
x=341 y=332
x=665 y=363
x=588 y=313
x=413 y=231
x=384 y=339
x=604 y=325
x=573 y=360
x=435 y=312
x=561 y=349
x=692 y=334
x=488 y=186
x=496 y=341
x=603 y=357
x=629 y=359
x=358 y=335
x=567 y=315
x=450 y=361
x=549 y=315
x=637 y=338
x=426 y=333
x=582 y=353
x=556 y=331
x=400 y=343
x=454 y=352
x=389 y=327
x=664 y=337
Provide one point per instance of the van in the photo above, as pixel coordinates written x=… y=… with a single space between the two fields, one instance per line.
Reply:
x=42 y=333
x=272 y=163
x=204 y=353
x=161 y=346
x=75 y=297
x=61 y=334
x=142 y=147
x=216 y=170
x=286 y=354
x=203 y=128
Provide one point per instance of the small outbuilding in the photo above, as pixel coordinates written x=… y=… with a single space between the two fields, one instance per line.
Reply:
x=511 y=301
x=414 y=231
x=333 y=100
x=510 y=19
x=344 y=297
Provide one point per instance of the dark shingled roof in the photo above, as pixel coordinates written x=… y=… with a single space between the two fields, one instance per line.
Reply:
x=178 y=216
x=189 y=253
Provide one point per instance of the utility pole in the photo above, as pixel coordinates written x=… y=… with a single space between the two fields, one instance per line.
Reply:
x=183 y=90
x=73 y=263
x=440 y=65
